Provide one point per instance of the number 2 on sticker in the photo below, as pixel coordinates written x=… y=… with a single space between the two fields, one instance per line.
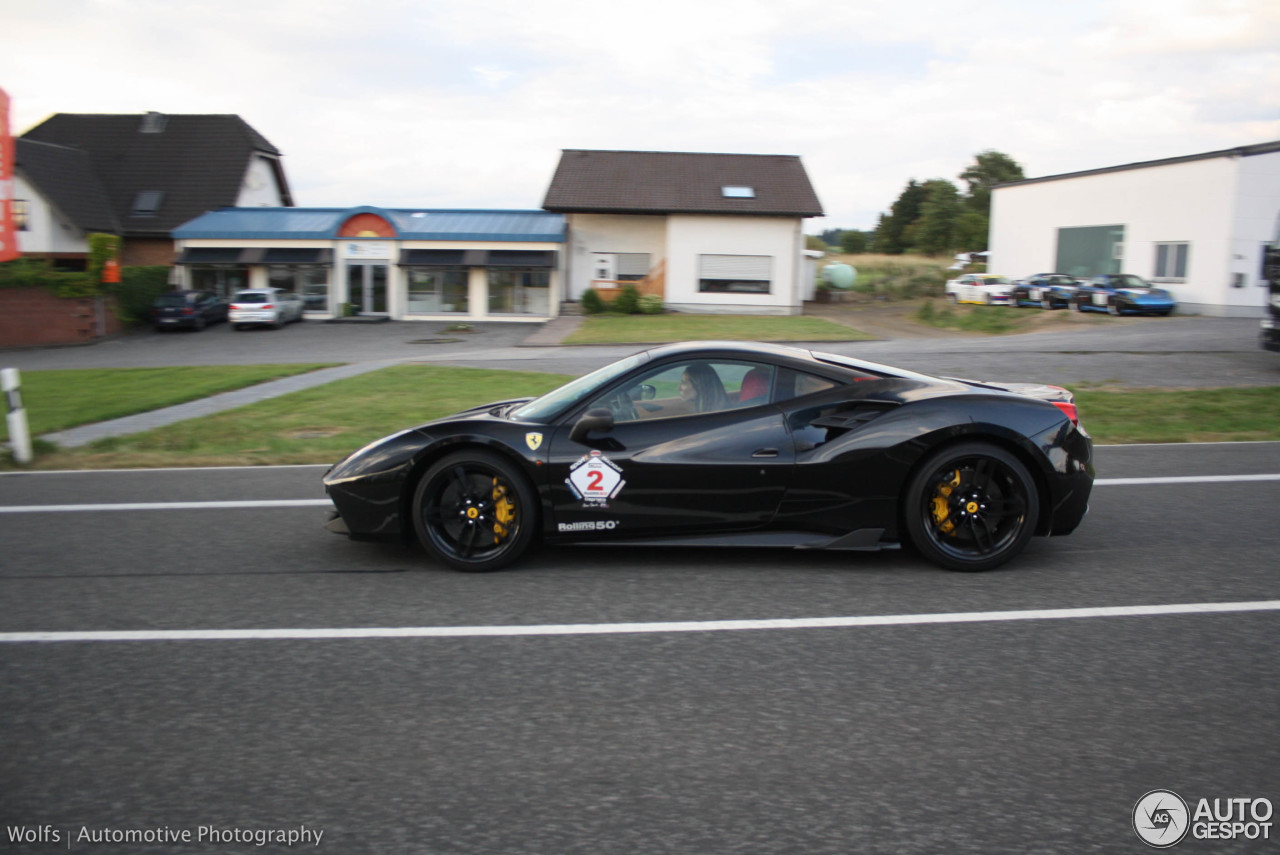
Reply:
x=594 y=479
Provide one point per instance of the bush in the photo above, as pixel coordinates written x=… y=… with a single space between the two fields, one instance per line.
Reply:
x=592 y=303
x=651 y=304
x=628 y=302
x=39 y=273
x=137 y=290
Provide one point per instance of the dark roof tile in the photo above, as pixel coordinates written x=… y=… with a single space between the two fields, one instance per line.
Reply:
x=197 y=161
x=652 y=182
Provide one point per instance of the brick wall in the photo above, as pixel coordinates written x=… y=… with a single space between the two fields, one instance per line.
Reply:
x=31 y=317
x=146 y=252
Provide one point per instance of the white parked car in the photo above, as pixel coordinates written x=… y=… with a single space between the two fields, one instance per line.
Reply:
x=984 y=288
x=272 y=307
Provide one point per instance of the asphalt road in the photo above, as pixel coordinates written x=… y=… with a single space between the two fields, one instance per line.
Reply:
x=1032 y=734
x=1163 y=352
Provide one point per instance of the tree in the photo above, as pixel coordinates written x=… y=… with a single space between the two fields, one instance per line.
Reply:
x=988 y=169
x=854 y=241
x=934 y=231
x=905 y=211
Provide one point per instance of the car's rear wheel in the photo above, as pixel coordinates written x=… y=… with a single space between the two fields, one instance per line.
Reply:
x=1046 y=304
x=474 y=511
x=971 y=507
x=1112 y=308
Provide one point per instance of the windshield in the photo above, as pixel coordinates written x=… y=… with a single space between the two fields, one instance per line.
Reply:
x=169 y=300
x=1128 y=280
x=995 y=280
x=557 y=400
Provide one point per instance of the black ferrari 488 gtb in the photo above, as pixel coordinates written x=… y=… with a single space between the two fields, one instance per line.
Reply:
x=732 y=444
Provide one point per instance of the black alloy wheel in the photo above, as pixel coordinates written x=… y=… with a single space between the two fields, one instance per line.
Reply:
x=474 y=511
x=971 y=507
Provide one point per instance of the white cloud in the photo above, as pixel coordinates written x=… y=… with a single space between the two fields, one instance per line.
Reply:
x=467 y=104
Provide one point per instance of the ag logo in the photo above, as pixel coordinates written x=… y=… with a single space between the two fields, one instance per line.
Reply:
x=533 y=440
x=1161 y=819
x=595 y=479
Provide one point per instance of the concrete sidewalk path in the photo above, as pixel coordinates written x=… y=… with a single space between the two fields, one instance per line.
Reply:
x=85 y=434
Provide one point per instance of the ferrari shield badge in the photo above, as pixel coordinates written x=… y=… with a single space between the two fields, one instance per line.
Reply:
x=533 y=440
x=595 y=479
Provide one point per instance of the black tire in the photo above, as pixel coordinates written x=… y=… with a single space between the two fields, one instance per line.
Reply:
x=474 y=511
x=971 y=507
x=953 y=299
x=1112 y=308
x=1046 y=304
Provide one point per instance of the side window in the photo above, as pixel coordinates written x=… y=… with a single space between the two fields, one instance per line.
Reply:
x=689 y=388
x=797 y=384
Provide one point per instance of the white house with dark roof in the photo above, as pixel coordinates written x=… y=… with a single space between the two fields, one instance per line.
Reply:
x=401 y=264
x=1196 y=225
x=153 y=172
x=707 y=232
x=58 y=202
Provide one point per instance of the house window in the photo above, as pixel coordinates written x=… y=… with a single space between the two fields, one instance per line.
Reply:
x=434 y=290
x=21 y=209
x=146 y=203
x=309 y=281
x=735 y=274
x=519 y=292
x=619 y=266
x=1171 y=261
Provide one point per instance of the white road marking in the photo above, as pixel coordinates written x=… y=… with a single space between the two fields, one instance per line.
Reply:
x=321 y=503
x=167 y=506
x=1183 y=479
x=632 y=628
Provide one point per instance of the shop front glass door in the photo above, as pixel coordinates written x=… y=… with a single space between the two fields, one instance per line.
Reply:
x=367 y=287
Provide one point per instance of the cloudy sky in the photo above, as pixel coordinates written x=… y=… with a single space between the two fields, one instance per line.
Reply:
x=467 y=103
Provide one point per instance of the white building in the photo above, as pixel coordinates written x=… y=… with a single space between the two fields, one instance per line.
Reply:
x=1196 y=225
x=706 y=232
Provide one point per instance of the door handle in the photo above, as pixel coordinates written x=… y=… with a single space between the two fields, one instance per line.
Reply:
x=765 y=452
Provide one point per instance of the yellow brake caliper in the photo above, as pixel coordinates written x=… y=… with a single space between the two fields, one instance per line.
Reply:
x=504 y=510
x=941 y=515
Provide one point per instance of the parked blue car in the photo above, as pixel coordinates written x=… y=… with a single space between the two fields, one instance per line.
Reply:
x=1046 y=290
x=1123 y=294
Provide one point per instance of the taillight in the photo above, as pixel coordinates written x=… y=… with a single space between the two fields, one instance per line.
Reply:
x=188 y=311
x=268 y=306
x=1069 y=410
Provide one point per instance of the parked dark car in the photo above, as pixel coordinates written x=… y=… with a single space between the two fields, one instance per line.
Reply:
x=1270 y=333
x=1046 y=290
x=732 y=444
x=1123 y=294
x=192 y=310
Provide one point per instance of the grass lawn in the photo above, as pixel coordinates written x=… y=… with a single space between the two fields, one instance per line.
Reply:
x=56 y=400
x=318 y=425
x=323 y=424
x=1180 y=415
x=647 y=329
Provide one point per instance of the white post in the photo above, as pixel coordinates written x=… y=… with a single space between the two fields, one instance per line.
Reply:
x=19 y=437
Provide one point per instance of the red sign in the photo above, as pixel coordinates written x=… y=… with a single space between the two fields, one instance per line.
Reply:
x=8 y=234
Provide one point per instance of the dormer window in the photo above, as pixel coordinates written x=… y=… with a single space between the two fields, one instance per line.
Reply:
x=738 y=192
x=147 y=203
x=153 y=123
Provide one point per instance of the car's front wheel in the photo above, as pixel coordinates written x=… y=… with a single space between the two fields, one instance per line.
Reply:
x=474 y=511
x=971 y=507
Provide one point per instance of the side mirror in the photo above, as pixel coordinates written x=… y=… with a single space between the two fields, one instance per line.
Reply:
x=600 y=418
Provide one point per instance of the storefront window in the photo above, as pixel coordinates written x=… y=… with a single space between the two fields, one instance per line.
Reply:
x=223 y=281
x=310 y=281
x=519 y=292
x=434 y=290
x=1090 y=250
